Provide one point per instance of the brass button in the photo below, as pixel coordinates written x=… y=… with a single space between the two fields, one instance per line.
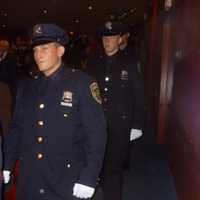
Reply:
x=41 y=191
x=41 y=106
x=65 y=115
x=123 y=116
x=106 y=89
x=68 y=165
x=107 y=78
x=39 y=156
x=40 y=139
x=41 y=123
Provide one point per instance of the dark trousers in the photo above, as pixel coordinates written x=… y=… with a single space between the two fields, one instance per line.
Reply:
x=114 y=163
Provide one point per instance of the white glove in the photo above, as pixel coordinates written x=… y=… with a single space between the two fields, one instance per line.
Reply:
x=82 y=191
x=135 y=134
x=6 y=176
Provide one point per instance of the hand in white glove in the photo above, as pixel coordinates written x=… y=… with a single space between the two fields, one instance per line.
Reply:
x=135 y=134
x=6 y=176
x=82 y=191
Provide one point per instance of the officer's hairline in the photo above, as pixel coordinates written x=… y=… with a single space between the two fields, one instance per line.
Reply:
x=57 y=44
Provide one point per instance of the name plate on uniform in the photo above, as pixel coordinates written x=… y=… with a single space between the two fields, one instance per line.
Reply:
x=66 y=104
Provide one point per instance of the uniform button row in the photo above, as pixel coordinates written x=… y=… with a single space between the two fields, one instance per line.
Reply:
x=41 y=123
x=41 y=191
x=41 y=106
x=123 y=116
x=107 y=78
x=40 y=139
x=65 y=115
x=39 y=156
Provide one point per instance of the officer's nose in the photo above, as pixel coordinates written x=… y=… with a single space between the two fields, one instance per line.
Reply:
x=38 y=54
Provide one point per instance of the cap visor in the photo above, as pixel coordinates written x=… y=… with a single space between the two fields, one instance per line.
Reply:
x=42 y=41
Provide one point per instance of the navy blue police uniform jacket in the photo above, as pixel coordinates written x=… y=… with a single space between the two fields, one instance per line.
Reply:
x=58 y=134
x=122 y=93
x=121 y=88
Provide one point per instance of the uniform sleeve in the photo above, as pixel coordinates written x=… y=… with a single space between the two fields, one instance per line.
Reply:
x=12 y=138
x=137 y=88
x=93 y=121
x=90 y=69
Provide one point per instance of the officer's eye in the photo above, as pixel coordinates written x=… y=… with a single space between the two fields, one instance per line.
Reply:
x=45 y=47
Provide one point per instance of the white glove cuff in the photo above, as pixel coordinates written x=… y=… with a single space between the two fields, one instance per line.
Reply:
x=135 y=134
x=83 y=191
x=6 y=176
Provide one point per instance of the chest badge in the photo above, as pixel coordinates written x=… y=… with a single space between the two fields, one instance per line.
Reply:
x=67 y=99
x=124 y=75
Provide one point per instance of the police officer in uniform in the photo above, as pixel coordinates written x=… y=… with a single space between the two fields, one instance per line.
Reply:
x=58 y=132
x=128 y=49
x=124 y=45
x=123 y=102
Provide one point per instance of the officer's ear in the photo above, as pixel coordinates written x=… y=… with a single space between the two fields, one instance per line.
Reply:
x=61 y=50
x=128 y=35
x=119 y=40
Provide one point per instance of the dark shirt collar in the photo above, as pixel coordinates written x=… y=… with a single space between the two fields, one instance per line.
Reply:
x=113 y=58
x=57 y=74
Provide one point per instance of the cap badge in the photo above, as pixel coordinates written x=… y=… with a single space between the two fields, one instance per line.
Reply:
x=37 y=29
x=108 y=25
x=124 y=75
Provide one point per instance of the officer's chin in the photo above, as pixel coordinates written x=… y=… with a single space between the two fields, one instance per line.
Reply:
x=41 y=67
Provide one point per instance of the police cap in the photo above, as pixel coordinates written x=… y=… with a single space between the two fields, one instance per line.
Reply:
x=125 y=29
x=111 y=28
x=48 y=32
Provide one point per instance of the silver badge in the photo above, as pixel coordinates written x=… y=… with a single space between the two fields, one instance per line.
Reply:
x=124 y=75
x=67 y=98
x=37 y=30
x=108 y=25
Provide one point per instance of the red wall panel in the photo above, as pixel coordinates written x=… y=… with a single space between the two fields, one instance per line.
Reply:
x=183 y=137
x=184 y=129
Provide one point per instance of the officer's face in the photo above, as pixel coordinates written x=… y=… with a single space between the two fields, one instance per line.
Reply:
x=48 y=57
x=111 y=44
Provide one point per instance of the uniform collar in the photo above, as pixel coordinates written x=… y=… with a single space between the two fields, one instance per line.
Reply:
x=113 y=58
x=57 y=74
